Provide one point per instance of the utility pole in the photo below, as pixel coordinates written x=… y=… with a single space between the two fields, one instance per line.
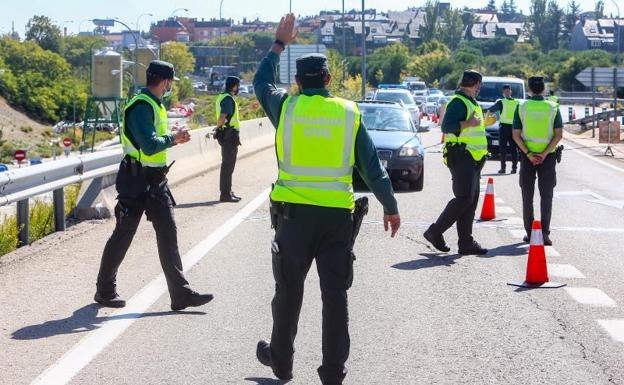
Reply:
x=344 y=44
x=288 y=47
x=617 y=29
x=363 y=53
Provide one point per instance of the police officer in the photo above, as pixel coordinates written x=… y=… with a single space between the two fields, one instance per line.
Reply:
x=228 y=130
x=553 y=98
x=319 y=140
x=538 y=128
x=507 y=107
x=465 y=152
x=142 y=187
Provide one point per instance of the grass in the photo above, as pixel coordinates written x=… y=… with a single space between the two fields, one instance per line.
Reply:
x=41 y=221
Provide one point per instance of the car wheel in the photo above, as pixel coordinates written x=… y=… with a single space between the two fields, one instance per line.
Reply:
x=419 y=183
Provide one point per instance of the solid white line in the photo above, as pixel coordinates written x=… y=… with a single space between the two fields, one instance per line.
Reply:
x=590 y=296
x=79 y=356
x=564 y=270
x=615 y=327
x=602 y=162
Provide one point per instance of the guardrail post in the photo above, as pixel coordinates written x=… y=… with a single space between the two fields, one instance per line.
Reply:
x=23 y=219
x=58 y=197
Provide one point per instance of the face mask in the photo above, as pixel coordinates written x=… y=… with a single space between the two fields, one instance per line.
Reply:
x=168 y=92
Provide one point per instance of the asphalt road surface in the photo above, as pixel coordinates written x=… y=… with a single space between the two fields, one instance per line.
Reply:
x=417 y=316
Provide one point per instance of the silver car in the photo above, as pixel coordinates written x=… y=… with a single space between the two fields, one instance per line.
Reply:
x=403 y=97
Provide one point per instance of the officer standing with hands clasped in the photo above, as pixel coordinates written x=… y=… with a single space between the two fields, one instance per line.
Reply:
x=538 y=129
x=465 y=151
x=507 y=107
x=142 y=187
x=320 y=139
x=227 y=133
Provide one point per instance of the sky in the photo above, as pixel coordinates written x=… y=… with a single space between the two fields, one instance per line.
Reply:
x=74 y=14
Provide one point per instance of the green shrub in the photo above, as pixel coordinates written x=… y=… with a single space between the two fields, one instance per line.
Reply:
x=41 y=220
x=8 y=234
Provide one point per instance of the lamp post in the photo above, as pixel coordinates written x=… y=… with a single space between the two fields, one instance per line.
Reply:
x=220 y=10
x=80 y=24
x=176 y=10
x=288 y=47
x=363 y=53
x=138 y=28
x=344 y=44
x=617 y=29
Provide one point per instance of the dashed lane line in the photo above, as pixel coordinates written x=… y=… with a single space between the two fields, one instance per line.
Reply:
x=564 y=270
x=81 y=354
x=590 y=296
x=615 y=328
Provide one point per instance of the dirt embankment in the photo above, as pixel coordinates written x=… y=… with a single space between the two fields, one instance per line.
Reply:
x=17 y=127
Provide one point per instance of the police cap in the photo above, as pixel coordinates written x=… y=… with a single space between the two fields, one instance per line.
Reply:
x=161 y=69
x=471 y=76
x=312 y=64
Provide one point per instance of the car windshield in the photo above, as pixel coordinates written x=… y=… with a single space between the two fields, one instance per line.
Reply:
x=385 y=118
x=492 y=91
x=433 y=99
x=417 y=86
x=404 y=97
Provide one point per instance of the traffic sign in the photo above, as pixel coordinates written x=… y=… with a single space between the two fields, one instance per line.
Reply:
x=67 y=142
x=20 y=155
x=603 y=76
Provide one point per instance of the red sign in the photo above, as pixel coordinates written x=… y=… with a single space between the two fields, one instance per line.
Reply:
x=67 y=142
x=20 y=155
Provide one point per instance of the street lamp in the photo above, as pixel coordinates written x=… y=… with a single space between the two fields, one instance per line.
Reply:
x=138 y=28
x=220 y=9
x=363 y=53
x=80 y=24
x=617 y=29
x=176 y=10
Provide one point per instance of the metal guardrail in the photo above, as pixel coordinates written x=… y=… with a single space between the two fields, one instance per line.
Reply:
x=19 y=185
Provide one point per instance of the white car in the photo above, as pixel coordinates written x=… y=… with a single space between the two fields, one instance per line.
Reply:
x=401 y=96
x=432 y=105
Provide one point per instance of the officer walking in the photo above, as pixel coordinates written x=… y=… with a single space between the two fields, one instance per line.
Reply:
x=538 y=129
x=228 y=135
x=320 y=139
x=507 y=107
x=553 y=98
x=465 y=152
x=142 y=187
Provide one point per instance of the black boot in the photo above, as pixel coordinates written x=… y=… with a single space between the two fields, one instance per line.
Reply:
x=436 y=239
x=229 y=198
x=263 y=354
x=109 y=300
x=191 y=300
x=472 y=248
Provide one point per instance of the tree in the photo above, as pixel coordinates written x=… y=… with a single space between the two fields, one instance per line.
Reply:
x=392 y=60
x=431 y=67
x=537 y=22
x=599 y=9
x=431 y=28
x=42 y=31
x=179 y=55
x=513 y=9
x=453 y=30
x=491 y=6
x=505 y=10
x=572 y=14
x=77 y=50
x=554 y=15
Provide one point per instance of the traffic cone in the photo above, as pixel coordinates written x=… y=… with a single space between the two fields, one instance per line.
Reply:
x=574 y=115
x=488 y=212
x=537 y=272
x=442 y=140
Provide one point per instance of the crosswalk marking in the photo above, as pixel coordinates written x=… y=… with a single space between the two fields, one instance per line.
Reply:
x=615 y=328
x=564 y=270
x=590 y=296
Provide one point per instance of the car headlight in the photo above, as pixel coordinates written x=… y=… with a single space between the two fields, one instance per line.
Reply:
x=408 y=151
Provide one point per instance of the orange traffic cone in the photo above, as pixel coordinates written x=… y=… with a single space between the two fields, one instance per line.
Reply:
x=537 y=272
x=573 y=115
x=488 y=212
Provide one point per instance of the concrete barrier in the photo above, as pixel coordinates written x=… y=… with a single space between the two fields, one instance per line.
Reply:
x=200 y=155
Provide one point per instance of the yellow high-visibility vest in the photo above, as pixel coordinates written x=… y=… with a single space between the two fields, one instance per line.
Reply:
x=473 y=137
x=538 y=121
x=235 y=119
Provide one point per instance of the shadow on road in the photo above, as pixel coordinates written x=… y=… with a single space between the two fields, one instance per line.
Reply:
x=513 y=250
x=265 y=381
x=196 y=204
x=82 y=320
x=430 y=260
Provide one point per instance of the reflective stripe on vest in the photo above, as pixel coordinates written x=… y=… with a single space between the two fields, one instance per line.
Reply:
x=473 y=137
x=235 y=119
x=315 y=145
x=509 y=109
x=161 y=124
x=538 y=120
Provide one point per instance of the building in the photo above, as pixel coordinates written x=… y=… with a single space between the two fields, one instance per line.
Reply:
x=167 y=30
x=186 y=29
x=597 y=34
x=490 y=30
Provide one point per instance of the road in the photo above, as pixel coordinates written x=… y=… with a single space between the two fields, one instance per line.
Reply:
x=417 y=316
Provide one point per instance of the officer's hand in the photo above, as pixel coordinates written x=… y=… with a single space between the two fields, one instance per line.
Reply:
x=394 y=222
x=181 y=136
x=474 y=121
x=286 y=31
x=535 y=159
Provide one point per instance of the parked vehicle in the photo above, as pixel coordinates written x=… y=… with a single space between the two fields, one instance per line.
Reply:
x=402 y=96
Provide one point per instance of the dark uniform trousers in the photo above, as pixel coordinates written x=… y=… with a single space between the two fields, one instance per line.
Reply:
x=305 y=233
x=229 y=152
x=465 y=172
x=157 y=204
x=506 y=142
x=546 y=181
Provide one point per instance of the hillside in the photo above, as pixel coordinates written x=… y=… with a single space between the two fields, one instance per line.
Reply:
x=17 y=127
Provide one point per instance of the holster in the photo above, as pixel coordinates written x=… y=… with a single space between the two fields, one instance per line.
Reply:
x=559 y=153
x=280 y=210
x=360 y=211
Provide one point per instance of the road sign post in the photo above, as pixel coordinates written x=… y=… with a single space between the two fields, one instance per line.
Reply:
x=67 y=142
x=20 y=156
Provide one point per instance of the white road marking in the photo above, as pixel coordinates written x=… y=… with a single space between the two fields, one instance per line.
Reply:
x=564 y=270
x=518 y=234
x=498 y=200
x=602 y=162
x=79 y=356
x=615 y=327
x=590 y=296
x=505 y=210
x=511 y=220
